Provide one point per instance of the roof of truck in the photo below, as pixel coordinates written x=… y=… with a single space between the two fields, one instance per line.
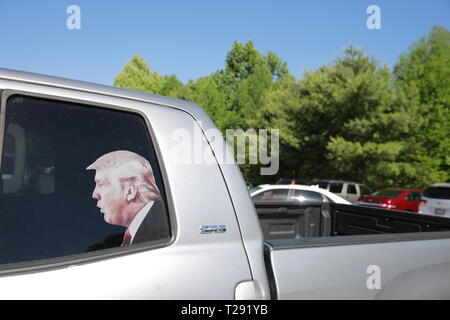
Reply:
x=40 y=79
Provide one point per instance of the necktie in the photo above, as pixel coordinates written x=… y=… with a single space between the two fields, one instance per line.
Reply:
x=126 y=239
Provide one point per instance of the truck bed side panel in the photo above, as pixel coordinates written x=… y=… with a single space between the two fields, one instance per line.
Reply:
x=357 y=267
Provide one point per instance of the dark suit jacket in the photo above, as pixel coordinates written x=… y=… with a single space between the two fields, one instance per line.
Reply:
x=155 y=225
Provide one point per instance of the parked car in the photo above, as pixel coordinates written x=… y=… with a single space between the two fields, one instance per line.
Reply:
x=145 y=226
x=393 y=199
x=301 y=193
x=350 y=191
x=436 y=200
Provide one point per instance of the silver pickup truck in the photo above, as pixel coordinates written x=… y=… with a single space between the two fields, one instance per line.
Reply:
x=102 y=198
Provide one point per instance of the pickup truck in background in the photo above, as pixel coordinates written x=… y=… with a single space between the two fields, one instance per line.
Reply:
x=72 y=151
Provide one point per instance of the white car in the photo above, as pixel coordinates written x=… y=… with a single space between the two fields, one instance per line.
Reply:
x=301 y=193
x=436 y=200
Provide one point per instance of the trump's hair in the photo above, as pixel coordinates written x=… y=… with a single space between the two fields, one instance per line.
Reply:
x=130 y=168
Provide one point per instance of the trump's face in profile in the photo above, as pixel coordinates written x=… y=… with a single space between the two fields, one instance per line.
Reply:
x=124 y=184
x=110 y=197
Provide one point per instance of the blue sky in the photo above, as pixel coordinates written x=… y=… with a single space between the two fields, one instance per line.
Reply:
x=191 y=38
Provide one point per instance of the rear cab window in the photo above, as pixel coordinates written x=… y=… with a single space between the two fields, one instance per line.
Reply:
x=438 y=193
x=77 y=179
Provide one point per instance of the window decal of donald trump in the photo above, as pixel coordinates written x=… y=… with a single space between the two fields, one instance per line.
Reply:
x=127 y=195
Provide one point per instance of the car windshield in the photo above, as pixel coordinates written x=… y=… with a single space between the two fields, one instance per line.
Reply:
x=387 y=193
x=437 y=192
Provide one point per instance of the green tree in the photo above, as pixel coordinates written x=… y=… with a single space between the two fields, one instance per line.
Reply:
x=170 y=86
x=426 y=68
x=348 y=120
x=206 y=93
x=248 y=78
x=136 y=75
x=281 y=110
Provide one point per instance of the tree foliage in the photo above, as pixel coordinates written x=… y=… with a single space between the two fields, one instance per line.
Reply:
x=136 y=75
x=352 y=119
x=426 y=68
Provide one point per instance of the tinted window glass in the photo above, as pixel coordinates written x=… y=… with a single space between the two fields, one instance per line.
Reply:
x=336 y=187
x=8 y=157
x=414 y=196
x=51 y=206
x=351 y=189
x=307 y=196
x=387 y=193
x=437 y=192
x=272 y=195
x=417 y=196
x=364 y=190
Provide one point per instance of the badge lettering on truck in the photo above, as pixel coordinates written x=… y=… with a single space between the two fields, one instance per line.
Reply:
x=215 y=228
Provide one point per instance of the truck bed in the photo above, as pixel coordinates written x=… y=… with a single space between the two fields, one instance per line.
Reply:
x=327 y=251
x=291 y=220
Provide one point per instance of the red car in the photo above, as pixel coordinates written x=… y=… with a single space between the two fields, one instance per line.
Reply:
x=393 y=199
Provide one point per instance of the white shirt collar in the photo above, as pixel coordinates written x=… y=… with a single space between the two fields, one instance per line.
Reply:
x=134 y=225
